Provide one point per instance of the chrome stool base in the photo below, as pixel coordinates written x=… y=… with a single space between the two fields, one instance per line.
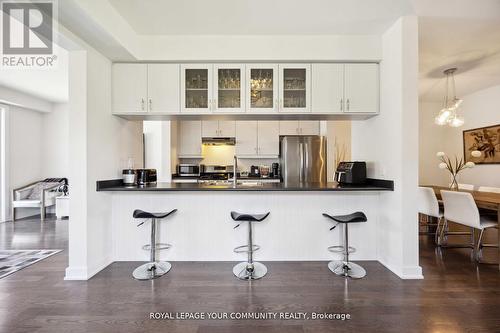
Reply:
x=151 y=270
x=349 y=269
x=247 y=271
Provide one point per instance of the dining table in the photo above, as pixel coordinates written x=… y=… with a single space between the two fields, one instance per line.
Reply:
x=486 y=200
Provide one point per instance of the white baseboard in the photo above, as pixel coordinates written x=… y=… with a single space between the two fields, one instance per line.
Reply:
x=75 y=273
x=405 y=273
x=84 y=273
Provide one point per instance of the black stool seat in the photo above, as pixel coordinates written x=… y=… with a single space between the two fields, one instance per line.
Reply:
x=249 y=217
x=140 y=214
x=350 y=218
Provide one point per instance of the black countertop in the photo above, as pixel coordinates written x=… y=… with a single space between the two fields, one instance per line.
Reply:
x=116 y=185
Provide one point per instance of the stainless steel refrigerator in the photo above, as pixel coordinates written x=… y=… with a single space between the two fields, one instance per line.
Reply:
x=303 y=159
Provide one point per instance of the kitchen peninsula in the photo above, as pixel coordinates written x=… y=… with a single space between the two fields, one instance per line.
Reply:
x=202 y=229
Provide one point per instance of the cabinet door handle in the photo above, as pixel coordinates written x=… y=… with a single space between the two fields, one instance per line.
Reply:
x=341 y=104
x=150 y=104
x=348 y=104
x=214 y=101
x=142 y=104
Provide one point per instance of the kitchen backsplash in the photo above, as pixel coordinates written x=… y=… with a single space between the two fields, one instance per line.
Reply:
x=224 y=155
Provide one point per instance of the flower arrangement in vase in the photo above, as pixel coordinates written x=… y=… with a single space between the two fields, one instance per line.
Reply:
x=455 y=167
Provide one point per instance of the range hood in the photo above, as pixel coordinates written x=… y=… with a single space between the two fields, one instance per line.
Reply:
x=218 y=141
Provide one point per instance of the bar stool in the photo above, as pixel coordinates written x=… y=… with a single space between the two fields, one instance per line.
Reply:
x=345 y=267
x=249 y=270
x=153 y=268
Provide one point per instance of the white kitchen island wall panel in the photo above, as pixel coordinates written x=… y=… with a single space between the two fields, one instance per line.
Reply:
x=202 y=229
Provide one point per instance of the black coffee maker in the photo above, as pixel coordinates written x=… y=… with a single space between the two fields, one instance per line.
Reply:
x=275 y=170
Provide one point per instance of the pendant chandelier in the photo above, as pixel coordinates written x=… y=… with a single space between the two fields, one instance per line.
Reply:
x=448 y=114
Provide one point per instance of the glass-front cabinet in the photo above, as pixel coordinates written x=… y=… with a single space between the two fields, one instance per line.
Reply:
x=295 y=91
x=229 y=83
x=262 y=88
x=196 y=88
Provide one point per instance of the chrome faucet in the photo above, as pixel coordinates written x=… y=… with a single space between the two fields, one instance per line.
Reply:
x=235 y=171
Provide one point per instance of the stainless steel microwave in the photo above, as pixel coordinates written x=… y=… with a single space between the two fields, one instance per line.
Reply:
x=189 y=170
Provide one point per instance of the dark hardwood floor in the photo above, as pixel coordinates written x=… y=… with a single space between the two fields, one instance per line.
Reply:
x=455 y=296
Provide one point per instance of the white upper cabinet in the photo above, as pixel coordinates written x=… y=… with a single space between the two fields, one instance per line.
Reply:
x=163 y=88
x=257 y=139
x=262 y=88
x=214 y=128
x=209 y=128
x=268 y=138
x=361 y=92
x=327 y=88
x=227 y=128
x=295 y=88
x=196 y=88
x=189 y=139
x=130 y=82
x=295 y=127
x=289 y=127
x=246 y=138
x=309 y=127
x=229 y=85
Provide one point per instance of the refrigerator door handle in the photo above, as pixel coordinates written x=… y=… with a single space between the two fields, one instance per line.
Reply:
x=301 y=161
x=306 y=162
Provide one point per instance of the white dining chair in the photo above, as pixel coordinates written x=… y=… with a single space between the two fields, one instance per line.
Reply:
x=460 y=207
x=467 y=187
x=428 y=205
x=489 y=189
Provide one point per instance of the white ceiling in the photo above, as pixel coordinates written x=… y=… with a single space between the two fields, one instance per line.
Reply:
x=257 y=17
x=48 y=84
x=471 y=45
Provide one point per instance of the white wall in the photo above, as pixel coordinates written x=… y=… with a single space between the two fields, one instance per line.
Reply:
x=157 y=148
x=100 y=144
x=55 y=159
x=479 y=109
x=389 y=143
x=432 y=139
x=26 y=133
x=26 y=146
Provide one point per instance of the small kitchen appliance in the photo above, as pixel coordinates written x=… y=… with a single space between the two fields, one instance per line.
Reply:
x=351 y=173
x=254 y=171
x=146 y=176
x=129 y=177
x=275 y=170
x=189 y=170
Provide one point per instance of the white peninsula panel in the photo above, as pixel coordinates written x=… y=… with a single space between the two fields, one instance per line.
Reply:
x=202 y=229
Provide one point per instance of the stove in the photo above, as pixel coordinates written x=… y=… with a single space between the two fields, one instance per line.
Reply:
x=216 y=175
